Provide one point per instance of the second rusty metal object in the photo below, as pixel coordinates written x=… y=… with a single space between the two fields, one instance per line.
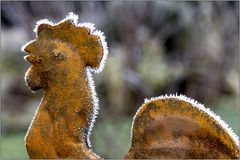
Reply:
x=178 y=127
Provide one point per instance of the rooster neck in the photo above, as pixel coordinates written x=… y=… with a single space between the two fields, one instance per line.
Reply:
x=69 y=101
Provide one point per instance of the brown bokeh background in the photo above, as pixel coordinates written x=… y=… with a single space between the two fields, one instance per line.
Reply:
x=155 y=48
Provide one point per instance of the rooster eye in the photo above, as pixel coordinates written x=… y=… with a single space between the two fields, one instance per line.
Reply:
x=59 y=55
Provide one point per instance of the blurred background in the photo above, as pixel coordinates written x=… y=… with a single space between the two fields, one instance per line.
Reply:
x=155 y=48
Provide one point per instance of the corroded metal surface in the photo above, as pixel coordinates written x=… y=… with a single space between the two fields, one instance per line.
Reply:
x=162 y=128
x=174 y=128
x=58 y=58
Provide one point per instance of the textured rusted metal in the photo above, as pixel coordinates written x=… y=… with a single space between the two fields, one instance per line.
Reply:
x=59 y=57
x=174 y=128
x=162 y=127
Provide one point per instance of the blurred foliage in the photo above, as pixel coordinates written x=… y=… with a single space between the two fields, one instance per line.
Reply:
x=155 y=48
x=13 y=146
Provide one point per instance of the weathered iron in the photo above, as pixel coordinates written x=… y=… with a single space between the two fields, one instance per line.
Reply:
x=62 y=58
x=178 y=127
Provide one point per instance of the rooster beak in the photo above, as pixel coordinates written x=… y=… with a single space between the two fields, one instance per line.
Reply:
x=28 y=47
x=32 y=59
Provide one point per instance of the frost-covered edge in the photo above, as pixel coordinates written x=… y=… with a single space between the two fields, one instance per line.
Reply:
x=199 y=106
x=74 y=19
x=95 y=104
x=30 y=126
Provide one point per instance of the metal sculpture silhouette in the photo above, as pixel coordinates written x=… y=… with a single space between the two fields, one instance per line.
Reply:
x=62 y=58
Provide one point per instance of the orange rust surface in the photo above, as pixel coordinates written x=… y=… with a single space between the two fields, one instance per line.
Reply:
x=173 y=128
x=58 y=58
x=166 y=128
